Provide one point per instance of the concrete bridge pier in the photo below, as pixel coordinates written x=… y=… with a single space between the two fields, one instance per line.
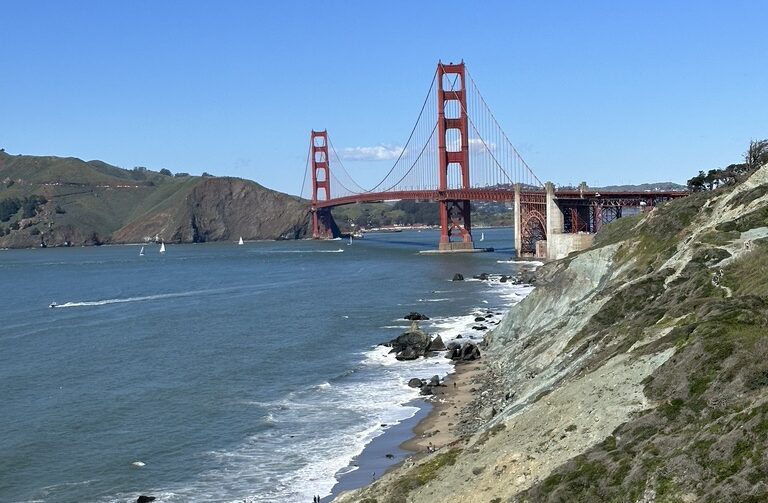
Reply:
x=554 y=221
x=559 y=244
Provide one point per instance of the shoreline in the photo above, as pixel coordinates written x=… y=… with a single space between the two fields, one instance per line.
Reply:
x=437 y=424
x=441 y=425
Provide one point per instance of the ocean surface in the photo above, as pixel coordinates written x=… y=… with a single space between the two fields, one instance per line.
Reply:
x=217 y=372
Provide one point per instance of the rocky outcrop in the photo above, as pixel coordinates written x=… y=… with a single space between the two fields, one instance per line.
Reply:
x=411 y=344
x=437 y=344
x=415 y=316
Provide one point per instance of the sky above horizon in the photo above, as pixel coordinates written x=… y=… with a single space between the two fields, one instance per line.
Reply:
x=603 y=92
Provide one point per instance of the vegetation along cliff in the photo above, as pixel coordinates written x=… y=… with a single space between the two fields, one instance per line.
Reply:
x=54 y=201
x=636 y=371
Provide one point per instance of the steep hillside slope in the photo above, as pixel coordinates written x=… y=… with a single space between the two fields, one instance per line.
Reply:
x=52 y=201
x=637 y=371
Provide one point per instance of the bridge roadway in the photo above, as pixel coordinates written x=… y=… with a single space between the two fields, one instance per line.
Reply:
x=607 y=198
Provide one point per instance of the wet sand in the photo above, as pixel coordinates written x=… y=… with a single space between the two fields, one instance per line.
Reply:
x=434 y=426
x=381 y=454
x=438 y=428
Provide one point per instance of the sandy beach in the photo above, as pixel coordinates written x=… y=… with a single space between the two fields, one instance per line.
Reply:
x=439 y=427
x=433 y=427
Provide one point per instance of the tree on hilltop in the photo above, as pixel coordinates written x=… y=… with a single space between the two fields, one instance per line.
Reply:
x=166 y=172
x=756 y=155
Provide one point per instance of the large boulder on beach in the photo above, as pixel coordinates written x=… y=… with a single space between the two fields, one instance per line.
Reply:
x=458 y=277
x=469 y=351
x=437 y=344
x=414 y=316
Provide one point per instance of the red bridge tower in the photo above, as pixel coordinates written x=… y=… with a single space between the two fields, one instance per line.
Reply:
x=320 y=180
x=453 y=153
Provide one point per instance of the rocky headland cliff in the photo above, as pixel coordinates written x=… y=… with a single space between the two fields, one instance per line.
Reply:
x=636 y=371
x=55 y=201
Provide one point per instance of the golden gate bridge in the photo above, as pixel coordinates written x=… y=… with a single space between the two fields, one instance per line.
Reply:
x=456 y=153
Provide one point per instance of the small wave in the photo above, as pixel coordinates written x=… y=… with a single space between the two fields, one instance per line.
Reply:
x=340 y=250
x=433 y=300
x=324 y=385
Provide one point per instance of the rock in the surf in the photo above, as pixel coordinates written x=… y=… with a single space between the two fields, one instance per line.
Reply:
x=415 y=383
x=411 y=344
x=415 y=316
x=437 y=344
x=407 y=354
x=458 y=277
x=145 y=499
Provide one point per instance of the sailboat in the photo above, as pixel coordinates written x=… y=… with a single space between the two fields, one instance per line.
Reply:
x=241 y=241
x=162 y=247
x=482 y=236
x=141 y=252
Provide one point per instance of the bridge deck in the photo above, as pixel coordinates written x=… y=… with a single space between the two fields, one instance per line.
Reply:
x=496 y=195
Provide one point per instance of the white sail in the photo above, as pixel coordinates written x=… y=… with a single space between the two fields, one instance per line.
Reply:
x=141 y=252
x=241 y=241
x=162 y=247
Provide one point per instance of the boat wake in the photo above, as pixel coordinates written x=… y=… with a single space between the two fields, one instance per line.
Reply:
x=104 y=302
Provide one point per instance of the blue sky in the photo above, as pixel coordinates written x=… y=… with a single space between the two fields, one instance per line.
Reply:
x=606 y=92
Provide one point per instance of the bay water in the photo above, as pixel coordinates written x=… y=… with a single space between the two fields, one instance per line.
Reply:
x=217 y=372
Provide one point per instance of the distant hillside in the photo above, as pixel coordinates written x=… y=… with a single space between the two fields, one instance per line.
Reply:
x=54 y=201
x=651 y=187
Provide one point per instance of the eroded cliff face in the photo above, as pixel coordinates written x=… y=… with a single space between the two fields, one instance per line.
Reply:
x=636 y=371
x=219 y=209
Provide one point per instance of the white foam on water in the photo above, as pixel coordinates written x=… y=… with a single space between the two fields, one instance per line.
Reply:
x=433 y=300
x=529 y=263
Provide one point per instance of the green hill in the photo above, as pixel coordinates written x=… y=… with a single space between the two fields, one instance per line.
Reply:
x=55 y=201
